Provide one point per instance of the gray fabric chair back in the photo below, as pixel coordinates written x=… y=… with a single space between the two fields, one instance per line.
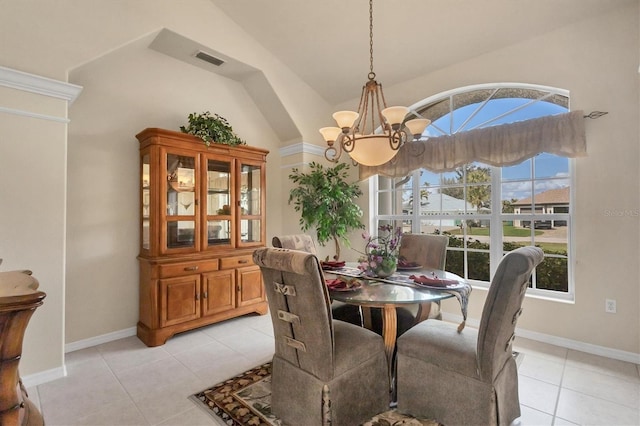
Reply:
x=302 y=242
x=298 y=298
x=430 y=251
x=502 y=308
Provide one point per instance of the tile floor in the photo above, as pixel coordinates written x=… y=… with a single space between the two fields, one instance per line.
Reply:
x=126 y=383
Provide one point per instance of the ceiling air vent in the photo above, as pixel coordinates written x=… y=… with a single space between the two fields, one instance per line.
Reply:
x=208 y=58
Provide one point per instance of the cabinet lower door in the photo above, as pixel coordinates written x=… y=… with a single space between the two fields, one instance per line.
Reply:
x=179 y=300
x=250 y=288
x=219 y=292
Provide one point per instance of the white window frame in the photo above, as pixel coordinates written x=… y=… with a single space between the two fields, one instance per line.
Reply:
x=496 y=217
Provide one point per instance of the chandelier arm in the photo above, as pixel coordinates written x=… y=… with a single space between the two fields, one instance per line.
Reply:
x=380 y=95
x=396 y=139
x=348 y=142
x=332 y=153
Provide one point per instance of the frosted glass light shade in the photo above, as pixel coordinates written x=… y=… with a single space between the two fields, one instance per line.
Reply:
x=417 y=125
x=395 y=114
x=345 y=118
x=330 y=134
x=372 y=150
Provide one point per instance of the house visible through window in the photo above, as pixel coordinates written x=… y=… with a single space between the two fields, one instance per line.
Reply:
x=487 y=211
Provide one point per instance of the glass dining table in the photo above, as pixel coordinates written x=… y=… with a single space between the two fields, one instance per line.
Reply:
x=395 y=291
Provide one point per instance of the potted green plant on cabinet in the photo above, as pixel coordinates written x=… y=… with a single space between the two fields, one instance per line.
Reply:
x=211 y=129
x=327 y=201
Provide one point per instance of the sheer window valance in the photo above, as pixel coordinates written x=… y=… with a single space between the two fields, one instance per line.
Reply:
x=502 y=145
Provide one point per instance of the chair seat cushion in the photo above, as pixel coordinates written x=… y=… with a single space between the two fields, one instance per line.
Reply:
x=439 y=343
x=353 y=345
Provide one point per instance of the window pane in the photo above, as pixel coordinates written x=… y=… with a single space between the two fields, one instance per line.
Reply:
x=549 y=165
x=479 y=199
x=517 y=172
x=552 y=274
x=478 y=265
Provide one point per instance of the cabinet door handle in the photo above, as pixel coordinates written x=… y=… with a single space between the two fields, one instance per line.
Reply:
x=204 y=295
x=191 y=268
x=197 y=296
x=243 y=261
x=238 y=288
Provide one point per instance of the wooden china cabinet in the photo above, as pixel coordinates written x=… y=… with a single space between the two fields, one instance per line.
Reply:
x=202 y=214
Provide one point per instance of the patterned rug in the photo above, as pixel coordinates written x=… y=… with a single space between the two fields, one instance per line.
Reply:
x=245 y=400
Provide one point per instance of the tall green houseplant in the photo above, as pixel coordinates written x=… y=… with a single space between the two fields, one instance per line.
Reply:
x=327 y=202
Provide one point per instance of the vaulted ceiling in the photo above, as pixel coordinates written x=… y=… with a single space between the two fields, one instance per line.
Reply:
x=326 y=42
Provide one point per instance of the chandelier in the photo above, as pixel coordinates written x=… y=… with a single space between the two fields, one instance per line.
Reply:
x=373 y=135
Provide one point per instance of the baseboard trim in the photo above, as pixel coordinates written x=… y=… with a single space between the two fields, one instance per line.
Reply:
x=560 y=341
x=98 y=340
x=44 y=376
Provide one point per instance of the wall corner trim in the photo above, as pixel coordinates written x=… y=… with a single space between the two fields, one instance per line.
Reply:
x=33 y=83
x=44 y=376
x=301 y=148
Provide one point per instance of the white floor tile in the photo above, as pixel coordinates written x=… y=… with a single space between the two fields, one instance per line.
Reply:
x=121 y=413
x=194 y=417
x=140 y=380
x=588 y=410
x=611 y=388
x=127 y=383
x=544 y=369
x=64 y=400
x=603 y=365
x=531 y=417
x=537 y=394
x=185 y=341
x=539 y=349
x=130 y=352
x=203 y=356
x=161 y=404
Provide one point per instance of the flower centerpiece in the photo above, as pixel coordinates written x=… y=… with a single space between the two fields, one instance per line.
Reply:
x=381 y=252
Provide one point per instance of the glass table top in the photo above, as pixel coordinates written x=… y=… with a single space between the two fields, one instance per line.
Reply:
x=397 y=289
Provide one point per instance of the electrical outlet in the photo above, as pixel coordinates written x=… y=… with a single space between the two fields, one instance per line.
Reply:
x=610 y=306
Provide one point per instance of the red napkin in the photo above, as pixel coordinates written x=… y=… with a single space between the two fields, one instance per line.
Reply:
x=435 y=282
x=332 y=264
x=337 y=283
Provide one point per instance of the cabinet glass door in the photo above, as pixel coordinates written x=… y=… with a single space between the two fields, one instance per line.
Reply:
x=145 y=199
x=219 y=203
x=250 y=203
x=181 y=201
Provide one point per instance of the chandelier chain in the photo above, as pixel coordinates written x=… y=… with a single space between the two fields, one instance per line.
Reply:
x=372 y=74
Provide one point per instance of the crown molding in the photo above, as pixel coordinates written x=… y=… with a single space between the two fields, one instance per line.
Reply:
x=26 y=82
x=33 y=115
x=301 y=148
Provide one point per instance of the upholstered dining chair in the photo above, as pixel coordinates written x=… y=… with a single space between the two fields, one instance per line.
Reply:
x=430 y=251
x=324 y=371
x=303 y=242
x=468 y=377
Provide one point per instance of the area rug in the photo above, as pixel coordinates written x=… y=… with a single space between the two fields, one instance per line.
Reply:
x=245 y=400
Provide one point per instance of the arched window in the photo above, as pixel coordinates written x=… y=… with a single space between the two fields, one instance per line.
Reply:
x=485 y=210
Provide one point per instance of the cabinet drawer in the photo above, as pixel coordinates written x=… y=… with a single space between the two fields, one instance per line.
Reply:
x=236 y=261
x=186 y=268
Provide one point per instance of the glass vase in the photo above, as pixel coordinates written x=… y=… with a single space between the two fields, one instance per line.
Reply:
x=381 y=266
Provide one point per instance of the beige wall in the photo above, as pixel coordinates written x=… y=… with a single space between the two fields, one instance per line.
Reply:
x=597 y=61
x=128 y=87
x=32 y=167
